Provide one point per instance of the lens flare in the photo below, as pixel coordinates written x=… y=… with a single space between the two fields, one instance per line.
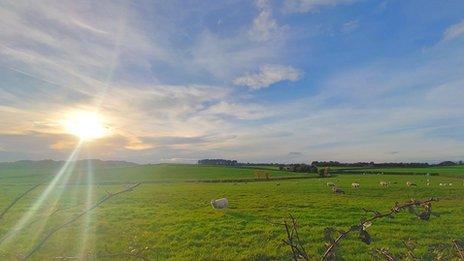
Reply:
x=86 y=125
x=62 y=176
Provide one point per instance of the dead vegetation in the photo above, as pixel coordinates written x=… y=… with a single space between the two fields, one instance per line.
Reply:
x=422 y=209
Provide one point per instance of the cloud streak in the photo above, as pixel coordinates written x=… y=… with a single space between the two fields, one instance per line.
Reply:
x=268 y=75
x=180 y=92
x=303 y=6
x=454 y=31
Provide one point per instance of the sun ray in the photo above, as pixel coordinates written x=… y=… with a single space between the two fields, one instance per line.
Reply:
x=63 y=174
x=86 y=230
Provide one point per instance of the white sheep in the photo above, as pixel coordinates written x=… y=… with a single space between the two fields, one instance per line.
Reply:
x=337 y=190
x=410 y=184
x=355 y=185
x=330 y=184
x=219 y=203
x=383 y=184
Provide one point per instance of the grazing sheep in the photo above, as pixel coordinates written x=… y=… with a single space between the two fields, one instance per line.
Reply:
x=450 y=184
x=383 y=184
x=337 y=190
x=428 y=184
x=219 y=203
x=355 y=185
x=410 y=184
x=441 y=184
x=330 y=184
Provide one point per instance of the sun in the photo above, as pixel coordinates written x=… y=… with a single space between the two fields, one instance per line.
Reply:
x=86 y=125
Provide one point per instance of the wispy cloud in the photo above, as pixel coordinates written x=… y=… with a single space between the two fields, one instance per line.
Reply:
x=264 y=27
x=268 y=75
x=303 y=6
x=350 y=26
x=454 y=31
x=171 y=92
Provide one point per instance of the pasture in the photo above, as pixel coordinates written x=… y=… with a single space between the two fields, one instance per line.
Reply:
x=433 y=170
x=169 y=215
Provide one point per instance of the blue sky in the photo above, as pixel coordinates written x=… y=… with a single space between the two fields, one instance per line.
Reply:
x=261 y=81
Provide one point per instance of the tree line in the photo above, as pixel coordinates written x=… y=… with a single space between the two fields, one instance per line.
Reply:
x=315 y=165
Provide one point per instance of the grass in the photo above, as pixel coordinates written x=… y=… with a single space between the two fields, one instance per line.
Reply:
x=457 y=171
x=174 y=220
x=143 y=173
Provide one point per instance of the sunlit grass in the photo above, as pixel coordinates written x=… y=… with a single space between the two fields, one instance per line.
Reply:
x=174 y=218
x=61 y=176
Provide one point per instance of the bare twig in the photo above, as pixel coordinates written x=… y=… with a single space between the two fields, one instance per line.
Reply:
x=409 y=249
x=385 y=254
x=377 y=215
x=293 y=240
x=17 y=199
x=49 y=214
x=458 y=249
x=58 y=228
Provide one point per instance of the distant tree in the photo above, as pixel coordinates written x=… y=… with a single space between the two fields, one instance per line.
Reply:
x=323 y=171
x=447 y=163
x=223 y=162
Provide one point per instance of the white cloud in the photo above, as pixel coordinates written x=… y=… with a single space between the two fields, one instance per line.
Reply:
x=238 y=111
x=350 y=26
x=454 y=31
x=264 y=26
x=303 y=6
x=268 y=75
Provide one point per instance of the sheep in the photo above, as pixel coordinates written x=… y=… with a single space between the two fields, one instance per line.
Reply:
x=355 y=185
x=450 y=184
x=330 y=184
x=428 y=184
x=219 y=203
x=410 y=184
x=383 y=184
x=441 y=184
x=337 y=190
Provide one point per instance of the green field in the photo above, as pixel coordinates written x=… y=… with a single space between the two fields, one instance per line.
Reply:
x=169 y=214
x=457 y=171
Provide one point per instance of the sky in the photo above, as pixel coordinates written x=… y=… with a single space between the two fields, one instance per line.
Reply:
x=256 y=81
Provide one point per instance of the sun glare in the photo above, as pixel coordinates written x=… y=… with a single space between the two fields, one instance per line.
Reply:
x=86 y=125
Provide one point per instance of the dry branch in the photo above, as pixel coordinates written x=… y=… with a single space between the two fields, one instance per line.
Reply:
x=17 y=199
x=293 y=240
x=72 y=220
x=385 y=254
x=377 y=215
x=459 y=249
